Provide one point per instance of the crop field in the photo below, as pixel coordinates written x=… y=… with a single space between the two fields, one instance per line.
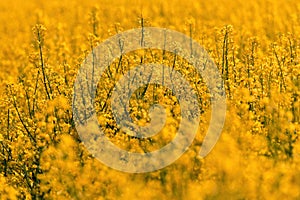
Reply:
x=47 y=153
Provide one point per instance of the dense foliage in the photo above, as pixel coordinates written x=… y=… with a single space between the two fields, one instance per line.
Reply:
x=256 y=46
